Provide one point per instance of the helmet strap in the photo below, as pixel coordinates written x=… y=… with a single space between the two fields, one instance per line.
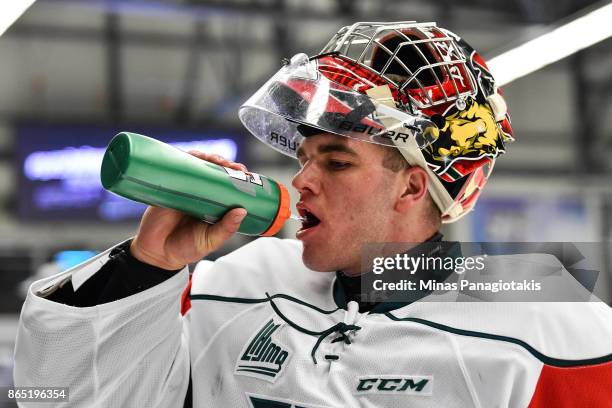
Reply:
x=381 y=95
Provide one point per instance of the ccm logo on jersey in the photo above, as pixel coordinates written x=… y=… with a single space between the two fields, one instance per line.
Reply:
x=262 y=357
x=395 y=384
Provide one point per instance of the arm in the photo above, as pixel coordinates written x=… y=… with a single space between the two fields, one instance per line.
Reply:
x=127 y=352
x=580 y=386
x=122 y=276
x=110 y=329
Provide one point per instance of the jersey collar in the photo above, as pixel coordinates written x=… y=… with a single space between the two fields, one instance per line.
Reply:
x=348 y=288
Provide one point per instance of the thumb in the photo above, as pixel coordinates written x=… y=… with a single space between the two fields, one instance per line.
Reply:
x=222 y=230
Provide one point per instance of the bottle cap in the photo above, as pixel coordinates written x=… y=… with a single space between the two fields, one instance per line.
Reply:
x=283 y=213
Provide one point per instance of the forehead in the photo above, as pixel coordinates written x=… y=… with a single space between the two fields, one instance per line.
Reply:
x=329 y=142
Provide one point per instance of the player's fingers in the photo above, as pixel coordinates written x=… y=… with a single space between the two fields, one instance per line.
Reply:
x=211 y=157
x=223 y=229
x=217 y=159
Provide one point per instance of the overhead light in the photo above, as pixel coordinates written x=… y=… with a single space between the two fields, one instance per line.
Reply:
x=552 y=46
x=10 y=12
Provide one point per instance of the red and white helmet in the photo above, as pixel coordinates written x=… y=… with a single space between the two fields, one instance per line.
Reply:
x=413 y=86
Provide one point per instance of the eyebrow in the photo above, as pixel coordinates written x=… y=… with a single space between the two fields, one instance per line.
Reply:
x=329 y=148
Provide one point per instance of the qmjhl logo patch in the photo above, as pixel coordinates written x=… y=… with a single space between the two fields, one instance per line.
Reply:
x=261 y=357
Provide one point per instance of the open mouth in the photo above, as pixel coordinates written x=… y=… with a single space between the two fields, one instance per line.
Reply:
x=309 y=220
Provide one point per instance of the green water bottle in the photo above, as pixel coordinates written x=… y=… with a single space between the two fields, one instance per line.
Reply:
x=149 y=171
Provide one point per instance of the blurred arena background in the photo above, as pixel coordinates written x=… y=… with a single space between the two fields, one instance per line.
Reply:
x=74 y=73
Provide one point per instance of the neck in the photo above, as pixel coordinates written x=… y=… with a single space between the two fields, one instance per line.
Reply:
x=397 y=245
x=415 y=226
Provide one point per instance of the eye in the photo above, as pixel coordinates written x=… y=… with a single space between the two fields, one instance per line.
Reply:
x=338 y=165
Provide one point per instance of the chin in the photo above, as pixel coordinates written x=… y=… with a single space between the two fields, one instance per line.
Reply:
x=318 y=261
x=318 y=266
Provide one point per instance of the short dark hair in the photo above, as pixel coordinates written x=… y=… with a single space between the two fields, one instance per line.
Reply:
x=393 y=159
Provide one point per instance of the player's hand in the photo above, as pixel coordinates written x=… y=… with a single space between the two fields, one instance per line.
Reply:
x=170 y=239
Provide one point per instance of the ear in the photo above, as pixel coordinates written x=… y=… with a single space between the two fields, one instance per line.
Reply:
x=413 y=188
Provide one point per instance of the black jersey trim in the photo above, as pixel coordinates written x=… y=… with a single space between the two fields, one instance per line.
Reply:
x=261 y=300
x=551 y=361
x=341 y=328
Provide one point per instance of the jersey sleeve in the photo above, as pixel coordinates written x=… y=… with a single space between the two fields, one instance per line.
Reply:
x=124 y=353
x=579 y=386
x=121 y=276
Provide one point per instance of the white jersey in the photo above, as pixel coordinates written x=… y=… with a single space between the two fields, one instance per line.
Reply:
x=264 y=331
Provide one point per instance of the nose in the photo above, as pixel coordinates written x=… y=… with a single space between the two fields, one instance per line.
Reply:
x=307 y=179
